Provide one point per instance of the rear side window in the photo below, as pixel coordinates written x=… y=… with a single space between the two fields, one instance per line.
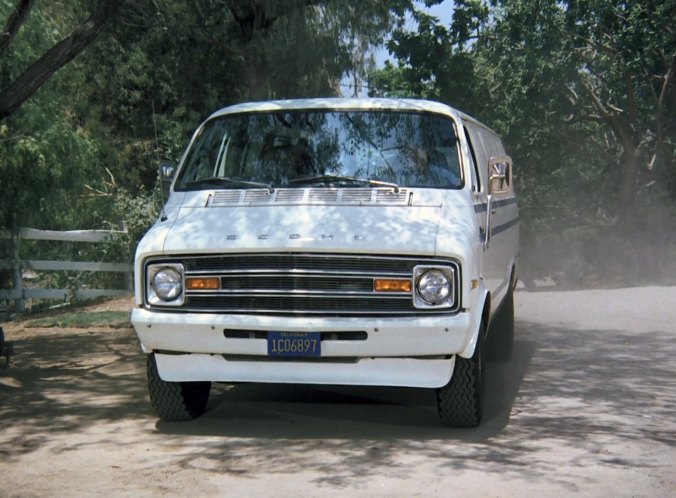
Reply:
x=484 y=145
x=474 y=161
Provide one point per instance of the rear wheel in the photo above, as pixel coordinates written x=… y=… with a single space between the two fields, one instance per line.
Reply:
x=460 y=402
x=175 y=401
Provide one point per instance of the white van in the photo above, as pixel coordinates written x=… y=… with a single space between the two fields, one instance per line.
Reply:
x=331 y=241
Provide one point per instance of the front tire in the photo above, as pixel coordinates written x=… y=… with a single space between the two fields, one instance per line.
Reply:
x=460 y=402
x=175 y=401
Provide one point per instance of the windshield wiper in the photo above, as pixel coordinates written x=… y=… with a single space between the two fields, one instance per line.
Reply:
x=344 y=179
x=224 y=180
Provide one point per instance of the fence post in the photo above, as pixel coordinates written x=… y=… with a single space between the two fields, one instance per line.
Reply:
x=124 y=227
x=20 y=303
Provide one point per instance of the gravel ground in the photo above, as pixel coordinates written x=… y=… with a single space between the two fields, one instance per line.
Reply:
x=585 y=407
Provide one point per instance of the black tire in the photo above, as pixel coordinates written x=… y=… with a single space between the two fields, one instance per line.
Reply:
x=501 y=332
x=175 y=401
x=460 y=402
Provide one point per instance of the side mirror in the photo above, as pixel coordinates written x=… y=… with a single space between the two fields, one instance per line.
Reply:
x=499 y=174
x=167 y=173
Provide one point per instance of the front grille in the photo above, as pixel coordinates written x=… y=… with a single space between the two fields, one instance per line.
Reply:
x=300 y=262
x=295 y=283
x=314 y=304
x=304 y=284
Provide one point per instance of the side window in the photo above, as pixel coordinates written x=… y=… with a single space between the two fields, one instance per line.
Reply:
x=480 y=151
x=473 y=159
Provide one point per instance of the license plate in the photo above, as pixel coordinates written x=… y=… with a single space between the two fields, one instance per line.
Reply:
x=294 y=344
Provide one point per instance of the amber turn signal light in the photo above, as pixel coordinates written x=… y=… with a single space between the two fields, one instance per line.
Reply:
x=392 y=285
x=195 y=283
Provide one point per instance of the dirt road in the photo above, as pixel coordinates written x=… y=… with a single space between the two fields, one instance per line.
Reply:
x=586 y=407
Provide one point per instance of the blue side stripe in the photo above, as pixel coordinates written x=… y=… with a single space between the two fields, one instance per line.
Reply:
x=480 y=208
x=505 y=226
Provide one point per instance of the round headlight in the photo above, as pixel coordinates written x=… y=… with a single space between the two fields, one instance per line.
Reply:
x=434 y=286
x=168 y=284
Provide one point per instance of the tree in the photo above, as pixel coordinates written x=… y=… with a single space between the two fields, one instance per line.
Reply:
x=273 y=48
x=32 y=142
x=164 y=67
x=28 y=82
x=583 y=94
x=600 y=62
x=626 y=52
x=435 y=61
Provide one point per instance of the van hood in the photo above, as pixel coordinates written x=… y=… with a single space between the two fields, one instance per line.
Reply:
x=356 y=229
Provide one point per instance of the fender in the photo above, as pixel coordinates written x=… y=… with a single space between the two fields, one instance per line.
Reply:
x=509 y=283
x=477 y=315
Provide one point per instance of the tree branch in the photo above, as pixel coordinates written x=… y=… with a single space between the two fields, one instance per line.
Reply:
x=659 y=127
x=631 y=96
x=256 y=17
x=16 y=19
x=619 y=124
x=56 y=57
x=667 y=80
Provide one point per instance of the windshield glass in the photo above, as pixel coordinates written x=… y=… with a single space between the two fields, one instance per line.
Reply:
x=323 y=148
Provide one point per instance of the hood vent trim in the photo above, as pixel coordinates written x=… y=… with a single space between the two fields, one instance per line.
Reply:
x=310 y=196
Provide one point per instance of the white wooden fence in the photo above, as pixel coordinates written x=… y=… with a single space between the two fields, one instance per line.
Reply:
x=20 y=293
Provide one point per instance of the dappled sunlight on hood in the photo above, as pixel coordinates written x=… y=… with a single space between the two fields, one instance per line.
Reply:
x=323 y=228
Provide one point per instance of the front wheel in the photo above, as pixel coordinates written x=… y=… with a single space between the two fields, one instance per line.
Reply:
x=175 y=401
x=460 y=402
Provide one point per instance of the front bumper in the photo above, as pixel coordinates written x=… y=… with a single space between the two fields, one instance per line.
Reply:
x=402 y=351
x=402 y=372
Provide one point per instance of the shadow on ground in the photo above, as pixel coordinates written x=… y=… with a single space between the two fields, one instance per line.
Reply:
x=591 y=392
x=66 y=381
x=324 y=412
x=578 y=398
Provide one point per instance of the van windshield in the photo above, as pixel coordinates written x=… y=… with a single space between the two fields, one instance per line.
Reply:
x=304 y=148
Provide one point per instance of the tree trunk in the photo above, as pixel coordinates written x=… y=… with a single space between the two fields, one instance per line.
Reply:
x=257 y=76
x=629 y=166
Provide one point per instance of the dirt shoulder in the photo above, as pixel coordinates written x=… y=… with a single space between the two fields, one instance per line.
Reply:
x=585 y=407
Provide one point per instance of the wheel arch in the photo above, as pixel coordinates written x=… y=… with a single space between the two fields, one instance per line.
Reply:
x=483 y=304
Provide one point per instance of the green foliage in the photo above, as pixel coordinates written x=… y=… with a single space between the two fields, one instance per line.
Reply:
x=431 y=61
x=140 y=92
x=109 y=319
x=38 y=169
x=47 y=153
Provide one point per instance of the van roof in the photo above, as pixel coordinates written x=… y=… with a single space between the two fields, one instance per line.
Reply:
x=344 y=104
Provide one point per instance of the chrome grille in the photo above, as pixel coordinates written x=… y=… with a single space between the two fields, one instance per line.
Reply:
x=292 y=262
x=304 y=284
x=261 y=283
